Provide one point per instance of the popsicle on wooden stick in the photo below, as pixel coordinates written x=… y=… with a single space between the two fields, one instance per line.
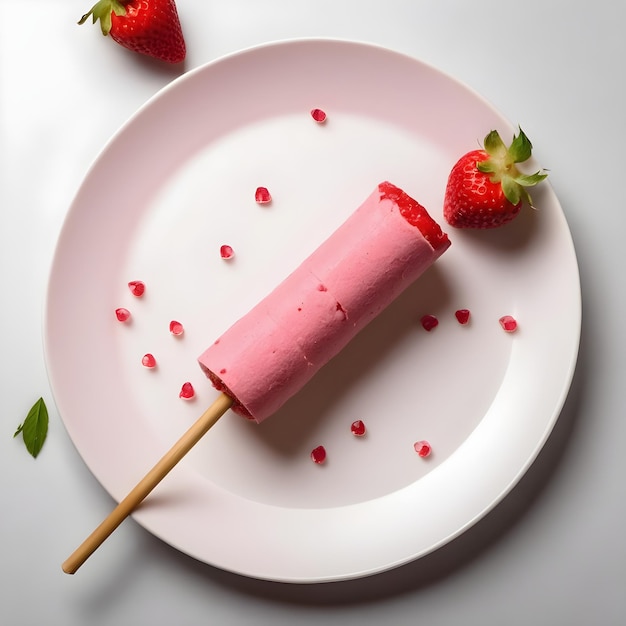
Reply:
x=275 y=349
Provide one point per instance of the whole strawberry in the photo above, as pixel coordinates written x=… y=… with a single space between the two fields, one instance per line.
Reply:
x=149 y=27
x=485 y=188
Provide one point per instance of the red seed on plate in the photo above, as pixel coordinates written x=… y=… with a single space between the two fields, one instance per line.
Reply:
x=176 y=328
x=318 y=115
x=429 y=322
x=357 y=428
x=462 y=316
x=137 y=288
x=122 y=314
x=422 y=448
x=148 y=360
x=262 y=195
x=318 y=455
x=226 y=252
x=509 y=323
x=187 y=391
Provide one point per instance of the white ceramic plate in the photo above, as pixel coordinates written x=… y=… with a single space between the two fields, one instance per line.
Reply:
x=176 y=183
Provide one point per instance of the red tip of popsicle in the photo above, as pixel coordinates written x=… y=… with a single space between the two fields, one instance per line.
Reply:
x=416 y=215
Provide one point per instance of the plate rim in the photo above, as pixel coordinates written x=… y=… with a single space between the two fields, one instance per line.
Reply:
x=568 y=376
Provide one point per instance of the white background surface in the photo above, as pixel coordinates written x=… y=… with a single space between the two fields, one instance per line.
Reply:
x=553 y=551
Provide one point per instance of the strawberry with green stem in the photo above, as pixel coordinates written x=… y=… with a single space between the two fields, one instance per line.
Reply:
x=485 y=188
x=150 y=27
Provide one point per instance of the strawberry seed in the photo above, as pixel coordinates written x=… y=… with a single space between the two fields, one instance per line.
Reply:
x=462 y=316
x=262 y=195
x=187 y=391
x=137 y=288
x=318 y=455
x=358 y=428
x=148 y=361
x=226 y=252
x=176 y=328
x=122 y=314
x=318 y=115
x=422 y=448
x=429 y=322
x=508 y=323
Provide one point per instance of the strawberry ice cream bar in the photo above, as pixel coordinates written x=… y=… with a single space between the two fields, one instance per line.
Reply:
x=275 y=349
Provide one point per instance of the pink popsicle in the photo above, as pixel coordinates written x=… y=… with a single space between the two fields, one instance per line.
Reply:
x=275 y=349
x=270 y=353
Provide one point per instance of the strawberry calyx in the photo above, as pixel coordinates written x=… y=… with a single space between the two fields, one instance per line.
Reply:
x=102 y=10
x=501 y=164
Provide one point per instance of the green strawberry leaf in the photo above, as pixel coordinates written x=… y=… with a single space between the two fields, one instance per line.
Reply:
x=34 y=428
x=487 y=167
x=512 y=191
x=520 y=148
x=501 y=165
x=102 y=11
x=494 y=144
x=530 y=180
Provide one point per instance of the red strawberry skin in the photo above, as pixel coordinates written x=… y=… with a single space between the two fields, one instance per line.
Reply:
x=485 y=188
x=150 y=27
x=472 y=200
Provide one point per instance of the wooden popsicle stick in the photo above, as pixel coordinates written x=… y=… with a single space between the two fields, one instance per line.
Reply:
x=189 y=439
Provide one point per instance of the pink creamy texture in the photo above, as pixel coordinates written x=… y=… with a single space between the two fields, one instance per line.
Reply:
x=275 y=349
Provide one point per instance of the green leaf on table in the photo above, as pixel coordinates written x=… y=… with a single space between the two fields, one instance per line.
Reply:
x=34 y=428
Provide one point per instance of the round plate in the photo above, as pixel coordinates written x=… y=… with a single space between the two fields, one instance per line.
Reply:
x=176 y=183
